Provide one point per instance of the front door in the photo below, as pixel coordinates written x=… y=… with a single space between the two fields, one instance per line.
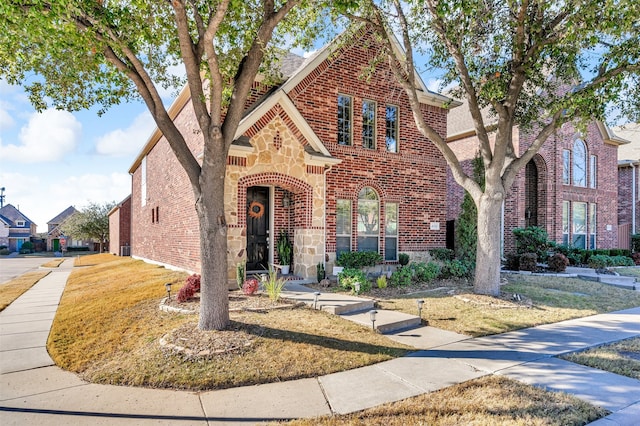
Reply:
x=257 y=228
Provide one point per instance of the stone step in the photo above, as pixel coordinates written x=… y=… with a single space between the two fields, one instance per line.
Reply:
x=334 y=303
x=386 y=321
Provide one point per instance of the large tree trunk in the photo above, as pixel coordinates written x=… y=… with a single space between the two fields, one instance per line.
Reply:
x=487 y=277
x=214 y=289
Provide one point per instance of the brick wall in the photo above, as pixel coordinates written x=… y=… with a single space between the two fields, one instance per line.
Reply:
x=625 y=194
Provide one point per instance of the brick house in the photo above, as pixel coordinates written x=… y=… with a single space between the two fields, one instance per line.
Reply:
x=628 y=184
x=16 y=228
x=569 y=188
x=55 y=234
x=329 y=156
x=120 y=228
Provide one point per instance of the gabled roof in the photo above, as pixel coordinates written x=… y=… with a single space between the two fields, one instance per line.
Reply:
x=12 y=214
x=295 y=69
x=62 y=216
x=119 y=205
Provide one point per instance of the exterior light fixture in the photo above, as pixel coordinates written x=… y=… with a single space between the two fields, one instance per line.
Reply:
x=356 y=287
x=168 y=287
x=420 y=303
x=315 y=300
x=372 y=316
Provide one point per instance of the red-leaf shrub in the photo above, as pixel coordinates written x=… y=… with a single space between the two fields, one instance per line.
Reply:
x=558 y=262
x=250 y=286
x=528 y=262
x=636 y=258
x=190 y=287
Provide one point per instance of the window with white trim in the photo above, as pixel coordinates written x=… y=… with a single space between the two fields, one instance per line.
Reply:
x=368 y=220
x=368 y=124
x=345 y=119
x=343 y=226
x=579 y=225
x=391 y=231
x=20 y=223
x=565 y=223
x=391 y=133
x=566 y=166
x=593 y=171
x=592 y=226
x=579 y=163
x=143 y=181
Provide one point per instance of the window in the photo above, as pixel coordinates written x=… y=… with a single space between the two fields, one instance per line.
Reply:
x=593 y=171
x=20 y=223
x=565 y=223
x=391 y=231
x=368 y=124
x=368 y=220
x=579 y=237
x=566 y=166
x=143 y=181
x=579 y=163
x=344 y=119
x=592 y=226
x=391 y=135
x=343 y=226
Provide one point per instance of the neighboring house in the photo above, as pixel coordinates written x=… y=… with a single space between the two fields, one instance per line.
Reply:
x=569 y=188
x=55 y=233
x=629 y=183
x=328 y=155
x=20 y=228
x=120 y=228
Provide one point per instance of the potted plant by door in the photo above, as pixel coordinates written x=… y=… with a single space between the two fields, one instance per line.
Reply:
x=285 y=250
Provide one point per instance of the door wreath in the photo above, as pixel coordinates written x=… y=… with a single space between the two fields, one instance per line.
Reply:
x=256 y=209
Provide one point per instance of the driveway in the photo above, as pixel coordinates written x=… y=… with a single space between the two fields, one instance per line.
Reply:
x=11 y=267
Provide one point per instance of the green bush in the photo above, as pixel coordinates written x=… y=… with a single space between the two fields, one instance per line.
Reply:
x=320 y=272
x=350 y=276
x=528 y=262
x=382 y=281
x=599 y=261
x=621 y=261
x=424 y=272
x=533 y=239
x=441 y=254
x=358 y=259
x=403 y=259
x=635 y=243
x=5 y=251
x=401 y=277
x=84 y=248
x=456 y=268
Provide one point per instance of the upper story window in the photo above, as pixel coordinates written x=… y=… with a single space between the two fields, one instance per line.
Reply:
x=579 y=163
x=391 y=134
x=593 y=171
x=369 y=124
x=345 y=119
x=566 y=167
x=20 y=223
x=143 y=181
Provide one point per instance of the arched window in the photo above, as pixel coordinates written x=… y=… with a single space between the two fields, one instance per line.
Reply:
x=579 y=163
x=368 y=220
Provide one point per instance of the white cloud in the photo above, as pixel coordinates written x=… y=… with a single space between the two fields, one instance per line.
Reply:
x=129 y=141
x=6 y=121
x=48 y=137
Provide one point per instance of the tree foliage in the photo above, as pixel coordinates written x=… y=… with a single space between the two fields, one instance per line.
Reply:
x=75 y=54
x=533 y=63
x=90 y=223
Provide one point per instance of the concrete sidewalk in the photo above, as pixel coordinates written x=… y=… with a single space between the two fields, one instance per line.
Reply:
x=33 y=391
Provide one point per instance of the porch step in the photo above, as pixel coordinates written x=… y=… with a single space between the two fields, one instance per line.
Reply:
x=333 y=303
x=386 y=321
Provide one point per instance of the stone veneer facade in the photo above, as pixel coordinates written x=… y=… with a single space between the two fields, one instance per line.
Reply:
x=293 y=151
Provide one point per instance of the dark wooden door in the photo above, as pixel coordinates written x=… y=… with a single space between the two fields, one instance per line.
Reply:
x=257 y=228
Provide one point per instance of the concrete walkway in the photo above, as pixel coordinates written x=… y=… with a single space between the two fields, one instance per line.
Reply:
x=33 y=391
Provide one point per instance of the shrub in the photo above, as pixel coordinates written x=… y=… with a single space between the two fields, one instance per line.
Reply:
x=401 y=277
x=621 y=261
x=441 y=254
x=533 y=239
x=425 y=272
x=320 y=272
x=250 y=286
x=599 y=261
x=635 y=257
x=358 y=259
x=350 y=276
x=635 y=243
x=240 y=273
x=403 y=259
x=190 y=287
x=456 y=268
x=382 y=281
x=5 y=251
x=3 y=247
x=558 y=262
x=528 y=262
x=512 y=262
x=273 y=285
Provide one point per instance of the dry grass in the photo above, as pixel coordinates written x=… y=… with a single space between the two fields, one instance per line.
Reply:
x=94 y=259
x=11 y=290
x=553 y=299
x=53 y=263
x=108 y=326
x=620 y=358
x=629 y=271
x=487 y=401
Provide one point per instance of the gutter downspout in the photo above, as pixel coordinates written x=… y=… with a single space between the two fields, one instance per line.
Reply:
x=634 y=191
